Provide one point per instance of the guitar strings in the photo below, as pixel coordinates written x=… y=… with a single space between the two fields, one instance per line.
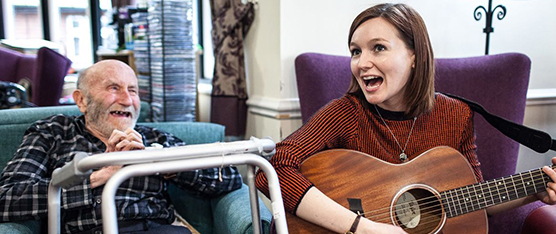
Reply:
x=431 y=215
x=437 y=209
x=463 y=195
x=434 y=216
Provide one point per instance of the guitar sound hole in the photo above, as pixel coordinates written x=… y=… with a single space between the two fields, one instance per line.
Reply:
x=418 y=211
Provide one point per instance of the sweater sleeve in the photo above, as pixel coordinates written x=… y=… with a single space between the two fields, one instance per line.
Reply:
x=329 y=128
x=468 y=146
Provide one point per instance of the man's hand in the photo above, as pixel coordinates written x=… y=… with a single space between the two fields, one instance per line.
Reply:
x=118 y=141
x=101 y=176
x=125 y=141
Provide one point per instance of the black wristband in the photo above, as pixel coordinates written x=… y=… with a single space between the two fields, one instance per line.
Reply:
x=354 y=225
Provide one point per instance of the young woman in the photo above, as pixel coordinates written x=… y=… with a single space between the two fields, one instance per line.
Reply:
x=390 y=111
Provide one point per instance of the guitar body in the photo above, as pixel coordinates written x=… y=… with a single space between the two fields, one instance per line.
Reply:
x=343 y=174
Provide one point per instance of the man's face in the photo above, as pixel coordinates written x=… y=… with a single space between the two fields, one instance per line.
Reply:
x=112 y=100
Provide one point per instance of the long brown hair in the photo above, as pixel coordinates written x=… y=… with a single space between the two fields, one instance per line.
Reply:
x=412 y=30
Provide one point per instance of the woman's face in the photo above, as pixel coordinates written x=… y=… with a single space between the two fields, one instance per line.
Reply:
x=381 y=63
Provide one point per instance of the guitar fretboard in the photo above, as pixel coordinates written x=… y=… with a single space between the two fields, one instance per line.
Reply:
x=493 y=192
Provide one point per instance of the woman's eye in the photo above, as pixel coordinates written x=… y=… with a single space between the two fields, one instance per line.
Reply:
x=355 y=52
x=379 y=47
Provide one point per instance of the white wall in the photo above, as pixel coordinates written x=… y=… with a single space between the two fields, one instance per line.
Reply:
x=540 y=116
x=529 y=27
x=283 y=29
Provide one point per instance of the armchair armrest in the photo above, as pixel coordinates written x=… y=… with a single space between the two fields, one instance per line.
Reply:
x=230 y=213
x=540 y=220
x=22 y=227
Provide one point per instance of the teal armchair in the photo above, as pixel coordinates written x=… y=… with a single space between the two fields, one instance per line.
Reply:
x=230 y=213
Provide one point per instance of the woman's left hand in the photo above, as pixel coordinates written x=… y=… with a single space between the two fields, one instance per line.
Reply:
x=549 y=196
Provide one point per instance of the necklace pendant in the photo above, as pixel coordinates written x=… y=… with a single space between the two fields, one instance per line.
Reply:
x=403 y=157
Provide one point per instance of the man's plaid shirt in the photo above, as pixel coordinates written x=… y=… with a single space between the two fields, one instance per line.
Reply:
x=49 y=144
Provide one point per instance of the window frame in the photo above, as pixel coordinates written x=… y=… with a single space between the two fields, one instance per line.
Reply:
x=2 y=32
x=95 y=13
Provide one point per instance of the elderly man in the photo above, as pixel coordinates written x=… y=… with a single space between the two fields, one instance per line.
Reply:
x=107 y=95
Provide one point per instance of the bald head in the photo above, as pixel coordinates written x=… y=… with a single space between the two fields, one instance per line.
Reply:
x=102 y=69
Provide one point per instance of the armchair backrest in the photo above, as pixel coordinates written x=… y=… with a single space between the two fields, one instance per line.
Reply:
x=498 y=82
x=320 y=79
x=15 y=65
x=45 y=71
x=14 y=122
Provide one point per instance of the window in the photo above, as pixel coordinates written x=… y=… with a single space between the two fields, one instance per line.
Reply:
x=76 y=45
x=71 y=29
x=206 y=42
x=22 y=19
x=68 y=26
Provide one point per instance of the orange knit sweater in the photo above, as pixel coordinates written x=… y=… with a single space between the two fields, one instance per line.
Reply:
x=352 y=123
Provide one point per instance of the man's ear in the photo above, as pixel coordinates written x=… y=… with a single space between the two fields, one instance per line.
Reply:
x=79 y=98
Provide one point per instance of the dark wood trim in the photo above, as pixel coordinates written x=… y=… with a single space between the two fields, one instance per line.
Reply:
x=200 y=37
x=95 y=27
x=45 y=20
x=2 y=32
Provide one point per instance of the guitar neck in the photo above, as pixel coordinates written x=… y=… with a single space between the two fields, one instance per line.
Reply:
x=493 y=192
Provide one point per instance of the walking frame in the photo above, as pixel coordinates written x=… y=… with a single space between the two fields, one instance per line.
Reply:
x=169 y=160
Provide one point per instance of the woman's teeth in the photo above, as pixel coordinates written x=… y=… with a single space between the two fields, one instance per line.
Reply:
x=372 y=81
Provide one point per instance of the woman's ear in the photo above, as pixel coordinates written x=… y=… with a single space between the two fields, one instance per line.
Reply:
x=79 y=98
x=413 y=60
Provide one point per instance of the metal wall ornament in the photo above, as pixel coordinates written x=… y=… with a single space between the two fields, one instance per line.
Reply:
x=478 y=14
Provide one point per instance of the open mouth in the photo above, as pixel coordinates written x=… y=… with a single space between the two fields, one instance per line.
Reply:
x=121 y=113
x=373 y=81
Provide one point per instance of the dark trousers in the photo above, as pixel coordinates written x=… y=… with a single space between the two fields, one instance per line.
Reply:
x=145 y=226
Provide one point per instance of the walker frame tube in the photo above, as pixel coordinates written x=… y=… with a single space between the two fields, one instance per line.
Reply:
x=258 y=146
x=109 y=215
x=253 y=197
x=82 y=165
x=54 y=196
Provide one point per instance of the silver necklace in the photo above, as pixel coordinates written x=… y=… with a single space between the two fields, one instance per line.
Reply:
x=403 y=156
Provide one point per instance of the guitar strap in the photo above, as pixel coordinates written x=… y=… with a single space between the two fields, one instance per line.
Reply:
x=536 y=140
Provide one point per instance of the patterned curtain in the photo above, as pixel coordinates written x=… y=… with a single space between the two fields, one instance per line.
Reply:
x=231 y=20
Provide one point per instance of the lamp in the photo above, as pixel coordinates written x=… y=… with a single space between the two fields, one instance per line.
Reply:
x=488 y=26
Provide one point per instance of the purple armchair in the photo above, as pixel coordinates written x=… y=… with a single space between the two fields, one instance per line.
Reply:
x=498 y=82
x=45 y=71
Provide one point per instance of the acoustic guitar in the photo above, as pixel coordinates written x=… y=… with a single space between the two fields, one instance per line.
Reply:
x=436 y=192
